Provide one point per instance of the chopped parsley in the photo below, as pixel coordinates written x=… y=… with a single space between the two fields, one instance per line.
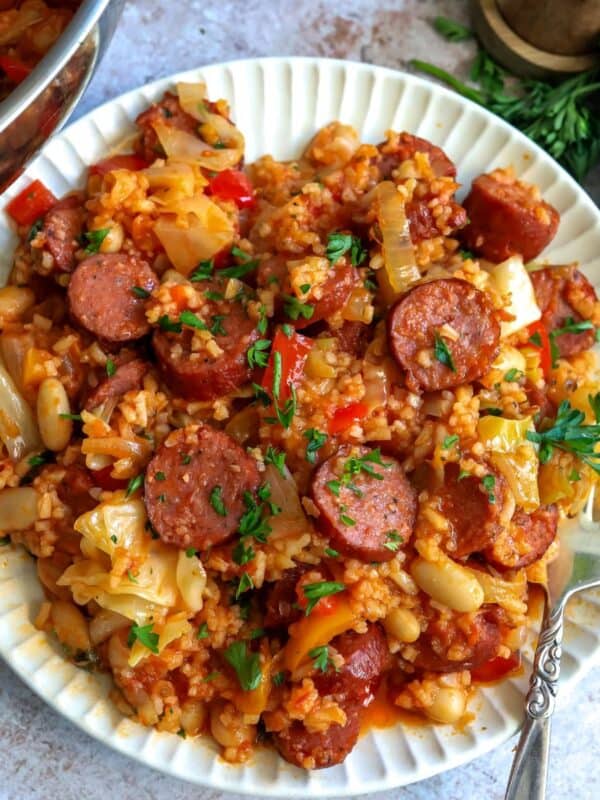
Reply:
x=465 y=254
x=278 y=679
x=244 y=585
x=571 y=326
x=110 y=367
x=202 y=631
x=315 y=591
x=252 y=522
x=131 y=576
x=276 y=458
x=569 y=434
x=258 y=353
x=216 y=501
x=74 y=417
x=320 y=657
x=334 y=487
x=263 y=322
x=305 y=288
x=211 y=676
x=246 y=665
x=261 y=395
x=94 y=239
x=242 y=554
x=288 y=330
x=215 y=296
x=239 y=270
x=488 y=482
x=329 y=551
x=449 y=442
x=160 y=476
x=451 y=30
x=277 y=370
x=513 y=375
x=256 y=633
x=145 y=636
x=574 y=476
x=442 y=354
x=203 y=271
x=338 y=244
x=191 y=552
x=40 y=458
x=357 y=464
x=348 y=521
x=140 y=292
x=295 y=309
x=316 y=440
x=186 y=458
x=393 y=541
x=192 y=320
x=217 y=328
x=169 y=325
x=113 y=539
x=134 y=484
x=35 y=229
x=536 y=339
x=463 y=474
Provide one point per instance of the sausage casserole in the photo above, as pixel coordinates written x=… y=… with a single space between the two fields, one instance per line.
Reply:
x=288 y=439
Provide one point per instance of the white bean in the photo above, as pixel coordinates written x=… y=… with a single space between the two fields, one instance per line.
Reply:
x=193 y=716
x=113 y=241
x=448 y=583
x=14 y=302
x=53 y=401
x=105 y=623
x=227 y=728
x=402 y=625
x=71 y=626
x=449 y=705
x=18 y=508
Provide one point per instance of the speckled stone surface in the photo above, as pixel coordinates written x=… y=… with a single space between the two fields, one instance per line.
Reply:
x=43 y=757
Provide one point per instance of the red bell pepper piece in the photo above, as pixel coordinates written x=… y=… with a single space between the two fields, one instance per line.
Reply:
x=496 y=668
x=538 y=332
x=231 y=184
x=129 y=161
x=294 y=352
x=14 y=69
x=346 y=416
x=103 y=479
x=31 y=204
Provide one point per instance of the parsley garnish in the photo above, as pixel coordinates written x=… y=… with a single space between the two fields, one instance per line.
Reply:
x=571 y=326
x=288 y=330
x=451 y=30
x=356 y=464
x=217 y=328
x=74 y=417
x=169 y=325
x=192 y=320
x=216 y=501
x=239 y=270
x=488 y=482
x=338 y=244
x=315 y=591
x=245 y=584
x=263 y=322
x=463 y=474
x=160 y=476
x=246 y=665
x=295 y=309
x=442 y=354
x=203 y=271
x=393 y=541
x=202 y=631
x=242 y=554
x=35 y=229
x=145 y=636
x=513 y=375
x=94 y=239
x=316 y=440
x=574 y=476
x=334 y=487
x=131 y=576
x=569 y=434
x=449 y=442
x=252 y=522
x=277 y=458
x=536 y=339
x=258 y=353
x=40 y=458
x=133 y=485
x=190 y=552
x=320 y=657
x=110 y=367
x=346 y=520
x=305 y=288
x=139 y=291
x=465 y=254
x=329 y=551
x=186 y=458
x=278 y=679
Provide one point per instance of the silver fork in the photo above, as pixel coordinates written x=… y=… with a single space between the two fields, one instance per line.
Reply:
x=576 y=568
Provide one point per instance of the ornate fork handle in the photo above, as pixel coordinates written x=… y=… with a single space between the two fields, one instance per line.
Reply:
x=529 y=771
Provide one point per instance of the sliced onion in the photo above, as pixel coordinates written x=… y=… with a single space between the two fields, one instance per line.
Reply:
x=377 y=384
x=400 y=267
x=292 y=520
x=18 y=429
x=191 y=99
x=196 y=234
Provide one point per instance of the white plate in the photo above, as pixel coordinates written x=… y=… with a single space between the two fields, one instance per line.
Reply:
x=278 y=104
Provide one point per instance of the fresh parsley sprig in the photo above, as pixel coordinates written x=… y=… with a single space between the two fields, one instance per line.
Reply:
x=569 y=434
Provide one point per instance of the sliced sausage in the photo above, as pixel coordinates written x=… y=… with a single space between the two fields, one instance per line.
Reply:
x=101 y=297
x=473 y=507
x=507 y=217
x=128 y=377
x=406 y=146
x=425 y=224
x=336 y=291
x=61 y=232
x=443 y=315
x=526 y=539
x=167 y=111
x=281 y=603
x=448 y=647
x=366 y=657
x=195 y=485
x=366 y=509
x=205 y=374
x=353 y=337
x=563 y=292
x=321 y=748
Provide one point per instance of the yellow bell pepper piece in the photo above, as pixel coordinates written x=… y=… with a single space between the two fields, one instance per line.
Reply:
x=255 y=702
x=520 y=469
x=315 y=631
x=502 y=435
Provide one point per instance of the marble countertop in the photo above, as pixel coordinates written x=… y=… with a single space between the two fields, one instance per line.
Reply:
x=41 y=755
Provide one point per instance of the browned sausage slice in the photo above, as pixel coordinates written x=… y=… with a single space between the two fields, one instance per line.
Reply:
x=61 y=232
x=405 y=146
x=366 y=657
x=336 y=291
x=472 y=507
x=281 y=603
x=563 y=292
x=507 y=217
x=366 y=509
x=448 y=647
x=195 y=485
x=526 y=539
x=128 y=377
x=321 y=748
x=102 y=300
x=204 y=374
x=443 y=315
